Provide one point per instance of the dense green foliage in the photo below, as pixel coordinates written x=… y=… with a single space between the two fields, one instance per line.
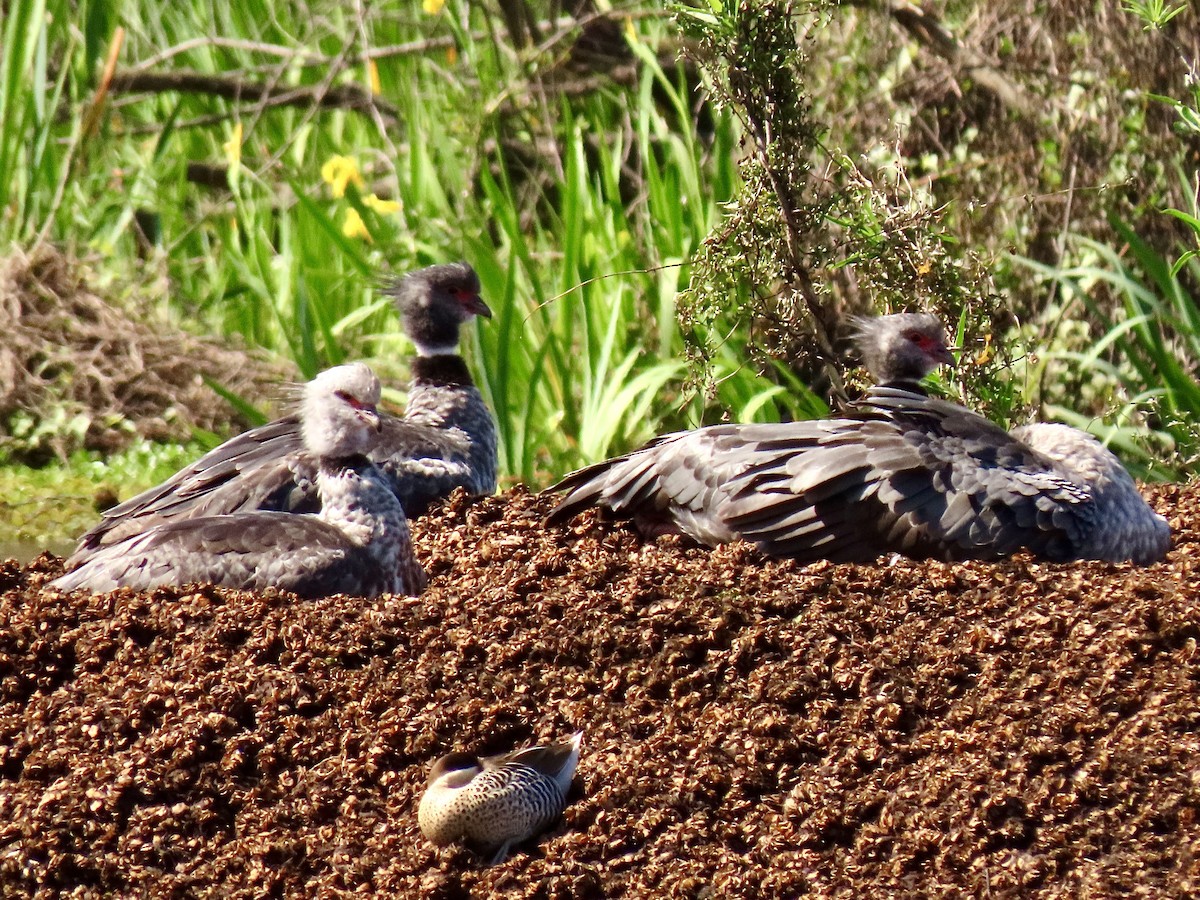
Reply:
x=251 y=169
x=45 y=508
x=579 y=209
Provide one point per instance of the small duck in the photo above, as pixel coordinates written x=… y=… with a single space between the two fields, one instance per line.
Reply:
x=498 y=801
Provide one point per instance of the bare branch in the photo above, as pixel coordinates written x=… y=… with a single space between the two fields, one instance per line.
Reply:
x=231 y=87
x=560 y=26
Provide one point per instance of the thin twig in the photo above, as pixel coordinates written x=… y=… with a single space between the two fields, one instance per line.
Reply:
x=408 y=48
x=336 y=66
x=305 y=57
x=597 y=278
x=183 y=124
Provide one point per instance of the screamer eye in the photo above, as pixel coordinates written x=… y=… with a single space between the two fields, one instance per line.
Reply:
x=465 y=296
x=922 y=340
x=348 y=398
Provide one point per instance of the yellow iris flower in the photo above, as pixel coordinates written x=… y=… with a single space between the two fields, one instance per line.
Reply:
x=381 y=206
x=338 y=172
x=233 y=150
x=354 y=226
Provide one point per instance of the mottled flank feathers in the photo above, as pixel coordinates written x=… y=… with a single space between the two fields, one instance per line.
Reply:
x=495 y=802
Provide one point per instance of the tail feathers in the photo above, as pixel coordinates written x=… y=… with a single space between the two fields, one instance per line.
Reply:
x=585 y=488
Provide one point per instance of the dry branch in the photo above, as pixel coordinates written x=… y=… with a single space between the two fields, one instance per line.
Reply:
x=232 y=87
x=929 y=31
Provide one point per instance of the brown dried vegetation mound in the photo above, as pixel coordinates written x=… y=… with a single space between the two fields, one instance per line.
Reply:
x=752 y=729
x=86 y=372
